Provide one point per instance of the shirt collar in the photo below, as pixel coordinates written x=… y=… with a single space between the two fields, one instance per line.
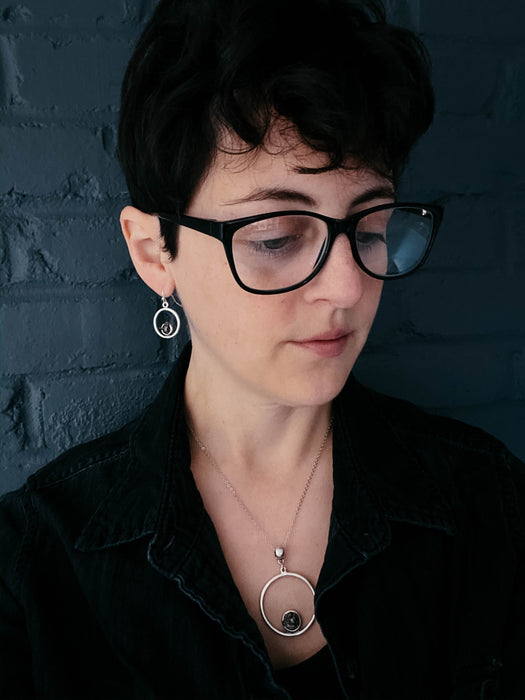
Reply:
x=379 y=476
x=382 y=469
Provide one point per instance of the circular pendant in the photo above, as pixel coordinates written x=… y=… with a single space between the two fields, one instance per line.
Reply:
x=291 y=620
x=166 y=329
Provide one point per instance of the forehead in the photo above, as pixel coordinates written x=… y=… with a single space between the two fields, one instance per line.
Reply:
x=282 y=143
x=238 y=171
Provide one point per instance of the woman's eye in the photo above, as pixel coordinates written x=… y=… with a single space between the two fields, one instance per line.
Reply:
x=281 y=239
x=280 y=244
x=368 y=238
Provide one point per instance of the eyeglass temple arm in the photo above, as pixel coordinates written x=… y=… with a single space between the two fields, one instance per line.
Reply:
x=210 y=228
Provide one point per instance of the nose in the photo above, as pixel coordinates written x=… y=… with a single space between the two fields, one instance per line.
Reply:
x=340 y=281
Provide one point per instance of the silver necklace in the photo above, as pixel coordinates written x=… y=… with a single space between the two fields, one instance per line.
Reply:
x=291 y=620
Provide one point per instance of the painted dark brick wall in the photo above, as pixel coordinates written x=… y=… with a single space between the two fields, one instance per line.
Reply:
x=78 y=352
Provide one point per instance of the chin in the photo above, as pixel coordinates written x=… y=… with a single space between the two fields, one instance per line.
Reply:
x=321 y=389
x=326 y=394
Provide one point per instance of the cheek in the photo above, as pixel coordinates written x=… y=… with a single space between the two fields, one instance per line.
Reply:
x=371 y=300
x=374 y=291
x=216 y=307
x=200 y=270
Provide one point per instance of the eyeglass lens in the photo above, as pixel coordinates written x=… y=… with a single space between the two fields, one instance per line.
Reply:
x=282 y=251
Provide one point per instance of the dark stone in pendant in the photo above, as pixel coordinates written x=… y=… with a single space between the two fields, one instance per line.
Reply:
x=291 y=621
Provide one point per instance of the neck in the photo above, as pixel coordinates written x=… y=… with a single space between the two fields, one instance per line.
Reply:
x=253 y=437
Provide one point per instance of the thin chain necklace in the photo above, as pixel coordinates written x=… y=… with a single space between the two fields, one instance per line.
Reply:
x=291 y=620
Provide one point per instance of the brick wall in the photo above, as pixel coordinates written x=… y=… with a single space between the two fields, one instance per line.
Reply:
x=78 y=353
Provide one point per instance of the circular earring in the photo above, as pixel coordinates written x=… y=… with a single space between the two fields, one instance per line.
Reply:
x=166 y=329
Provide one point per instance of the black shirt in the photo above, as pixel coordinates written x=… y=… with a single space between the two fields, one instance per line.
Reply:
x=113 y=585
x=312 y=679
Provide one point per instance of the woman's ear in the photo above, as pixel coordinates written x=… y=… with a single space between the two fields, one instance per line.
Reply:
x=146 y=248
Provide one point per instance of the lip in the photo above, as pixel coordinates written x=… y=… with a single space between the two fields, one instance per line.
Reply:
x=328 y=344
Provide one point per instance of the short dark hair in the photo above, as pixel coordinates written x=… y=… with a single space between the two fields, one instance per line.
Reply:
x=351 y=85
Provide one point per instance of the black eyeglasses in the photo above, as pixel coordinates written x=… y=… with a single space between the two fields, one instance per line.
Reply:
x=280 y=251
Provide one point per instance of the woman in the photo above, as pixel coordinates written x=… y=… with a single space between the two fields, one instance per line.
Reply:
x=269 y=527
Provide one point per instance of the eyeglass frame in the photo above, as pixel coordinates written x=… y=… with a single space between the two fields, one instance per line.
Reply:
x=224 y=231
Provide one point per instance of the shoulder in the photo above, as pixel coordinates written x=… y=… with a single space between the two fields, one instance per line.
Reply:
x=479 y=474
x=105 y=455
x=100 y=493
x=68 y=489
x=448 y=435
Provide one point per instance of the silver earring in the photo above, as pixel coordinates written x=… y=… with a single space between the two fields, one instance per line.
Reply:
x=166 y=329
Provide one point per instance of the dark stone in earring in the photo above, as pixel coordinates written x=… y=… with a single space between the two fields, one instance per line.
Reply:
x=166 y=328
x=291 y=621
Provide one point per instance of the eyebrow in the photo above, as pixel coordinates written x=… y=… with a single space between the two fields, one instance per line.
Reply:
x=287 y=195
x=275 y=194
x=377 y=192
